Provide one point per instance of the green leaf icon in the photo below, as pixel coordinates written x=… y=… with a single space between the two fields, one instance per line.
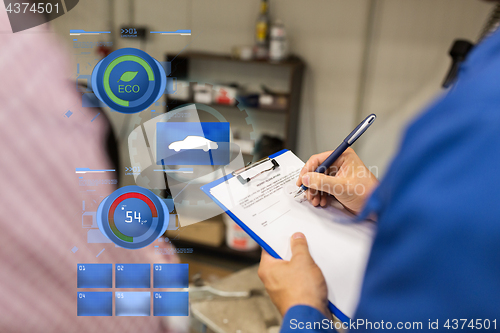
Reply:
x=128 y=76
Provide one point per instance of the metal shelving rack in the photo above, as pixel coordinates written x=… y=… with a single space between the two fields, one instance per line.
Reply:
x=294 y=64
x=296 y=67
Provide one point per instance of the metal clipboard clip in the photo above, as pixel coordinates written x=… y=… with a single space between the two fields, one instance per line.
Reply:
x=244 y=181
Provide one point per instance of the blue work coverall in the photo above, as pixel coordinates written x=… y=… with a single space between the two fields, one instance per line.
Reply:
x=436 y=256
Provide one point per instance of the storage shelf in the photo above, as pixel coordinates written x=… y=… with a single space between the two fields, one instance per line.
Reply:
x=260 y=109
x=294 y=64
x=296 y=67
x=291 y=61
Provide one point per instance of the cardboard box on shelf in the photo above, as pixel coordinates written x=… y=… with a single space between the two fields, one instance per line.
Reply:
x=209 y=232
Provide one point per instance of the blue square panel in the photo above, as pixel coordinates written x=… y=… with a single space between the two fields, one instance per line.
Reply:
x=133 y=303
x=171 y=275
x=192 y=143
x=94 y=275
x=175 y=303
x=94 y=303
x=132 y=276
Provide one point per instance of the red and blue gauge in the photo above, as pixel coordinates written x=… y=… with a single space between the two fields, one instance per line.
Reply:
x=132 y=217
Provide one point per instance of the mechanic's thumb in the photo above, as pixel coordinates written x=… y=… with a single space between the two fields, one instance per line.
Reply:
x=299 y=246
x=324 y=183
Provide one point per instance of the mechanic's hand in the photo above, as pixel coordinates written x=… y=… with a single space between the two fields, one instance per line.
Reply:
x=348 y=180
x=295 y=282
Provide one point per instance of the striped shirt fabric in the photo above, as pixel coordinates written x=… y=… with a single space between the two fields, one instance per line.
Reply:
x=40 y=198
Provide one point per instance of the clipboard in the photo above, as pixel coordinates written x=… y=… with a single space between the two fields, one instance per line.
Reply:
x=206 y=188
x=267 y=166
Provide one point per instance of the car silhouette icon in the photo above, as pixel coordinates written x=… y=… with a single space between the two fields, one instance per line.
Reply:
x=193 y=142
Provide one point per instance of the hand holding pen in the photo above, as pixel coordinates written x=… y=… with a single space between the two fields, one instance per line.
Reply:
x=347 y=177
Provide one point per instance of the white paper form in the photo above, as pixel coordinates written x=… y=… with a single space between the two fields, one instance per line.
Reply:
x=339 y=246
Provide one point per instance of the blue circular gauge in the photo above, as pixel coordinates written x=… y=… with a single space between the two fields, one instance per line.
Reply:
x=128 y=80
x=132 y=217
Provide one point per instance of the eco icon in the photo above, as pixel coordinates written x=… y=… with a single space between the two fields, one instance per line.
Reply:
x=128 y=80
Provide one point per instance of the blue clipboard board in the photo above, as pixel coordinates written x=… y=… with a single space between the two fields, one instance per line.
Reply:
x=206 y=188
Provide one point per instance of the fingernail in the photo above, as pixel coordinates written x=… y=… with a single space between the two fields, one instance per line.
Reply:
x=305 y=180
x=298 y=235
